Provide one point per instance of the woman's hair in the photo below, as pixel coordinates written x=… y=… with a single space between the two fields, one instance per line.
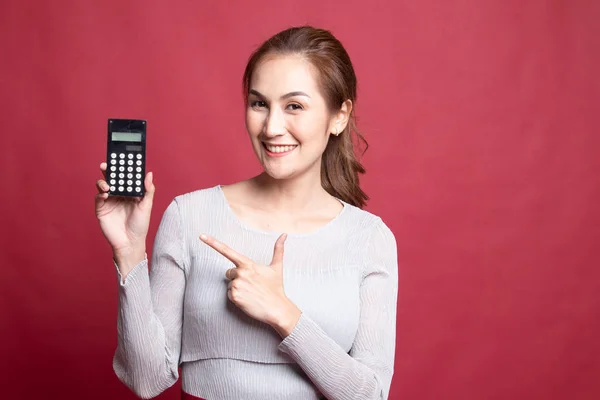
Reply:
x=339 y=166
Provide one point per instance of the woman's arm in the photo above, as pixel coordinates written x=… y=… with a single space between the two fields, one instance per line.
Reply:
x=366 y=371
x=150 y=314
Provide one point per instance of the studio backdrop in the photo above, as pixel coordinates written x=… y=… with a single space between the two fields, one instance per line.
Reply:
x=482 y=120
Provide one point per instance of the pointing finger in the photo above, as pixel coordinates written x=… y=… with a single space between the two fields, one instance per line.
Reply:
x=226 y=251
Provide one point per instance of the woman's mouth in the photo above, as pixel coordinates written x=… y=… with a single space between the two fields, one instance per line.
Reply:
x=279 y=151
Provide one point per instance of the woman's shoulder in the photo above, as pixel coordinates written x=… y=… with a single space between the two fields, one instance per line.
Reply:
x=204 y=197
x=369 y=221
x=362 y=216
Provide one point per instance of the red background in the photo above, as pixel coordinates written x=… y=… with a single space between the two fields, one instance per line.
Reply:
x=483 y=122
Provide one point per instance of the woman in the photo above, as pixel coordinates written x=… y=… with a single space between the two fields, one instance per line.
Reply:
x=277 y=287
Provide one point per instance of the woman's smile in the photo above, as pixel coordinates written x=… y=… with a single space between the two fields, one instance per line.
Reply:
x=278 y=150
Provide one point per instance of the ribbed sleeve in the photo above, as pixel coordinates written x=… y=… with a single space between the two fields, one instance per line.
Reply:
x=366 y=371
x=150 y=314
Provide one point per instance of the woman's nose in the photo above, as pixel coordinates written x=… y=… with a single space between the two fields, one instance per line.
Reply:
x=275 y=123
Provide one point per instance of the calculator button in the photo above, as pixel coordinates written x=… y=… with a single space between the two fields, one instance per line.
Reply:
x=121 y=175
x=112 y=188
x=121 y=188
x=113 y=155
x=138 y=189
x=113 y=168
x=112 y=181
x=122 y=155
x=112 y=174
x=129 y=188
x=138 y=176
x=138 y=183
x=129 y=183
x=122 y=162
x=139 y=169
x=139 y=156
x=130 y=162
x=129 y=176
x=113 y=162
x=139 y=162
x=120 y=181
x=130 y=156
x=121 y=169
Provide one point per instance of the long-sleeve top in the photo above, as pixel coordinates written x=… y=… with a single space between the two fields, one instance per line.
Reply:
x=175 y=312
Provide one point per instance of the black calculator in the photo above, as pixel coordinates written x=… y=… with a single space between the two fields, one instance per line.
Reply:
x=126 y=157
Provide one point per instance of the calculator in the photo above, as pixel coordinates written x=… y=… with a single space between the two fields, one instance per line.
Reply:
x=126 y=157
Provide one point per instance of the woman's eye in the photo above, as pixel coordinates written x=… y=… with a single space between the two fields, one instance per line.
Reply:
x=294 y=106
x=258 y=104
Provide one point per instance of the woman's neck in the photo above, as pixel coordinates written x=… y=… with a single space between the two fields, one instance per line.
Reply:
x=301 y=193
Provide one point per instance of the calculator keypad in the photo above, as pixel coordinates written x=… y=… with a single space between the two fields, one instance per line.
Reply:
x=128 y=179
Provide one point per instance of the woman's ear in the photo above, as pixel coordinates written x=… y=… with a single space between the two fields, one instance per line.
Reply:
x=340 y=120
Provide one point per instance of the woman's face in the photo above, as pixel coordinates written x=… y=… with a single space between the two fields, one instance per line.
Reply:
x=287 y=117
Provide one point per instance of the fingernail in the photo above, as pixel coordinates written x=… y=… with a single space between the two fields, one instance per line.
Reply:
x=203 y=237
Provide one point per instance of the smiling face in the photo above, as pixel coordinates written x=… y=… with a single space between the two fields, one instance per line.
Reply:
x=287 y=117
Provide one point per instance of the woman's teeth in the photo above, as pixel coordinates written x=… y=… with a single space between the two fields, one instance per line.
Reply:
x=279 y=149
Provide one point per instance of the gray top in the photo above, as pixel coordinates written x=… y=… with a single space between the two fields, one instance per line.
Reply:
x=343 y=276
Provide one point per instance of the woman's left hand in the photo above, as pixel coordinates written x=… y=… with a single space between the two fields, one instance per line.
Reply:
x=258 y=289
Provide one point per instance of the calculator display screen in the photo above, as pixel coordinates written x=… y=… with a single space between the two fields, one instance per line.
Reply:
x=127 y=136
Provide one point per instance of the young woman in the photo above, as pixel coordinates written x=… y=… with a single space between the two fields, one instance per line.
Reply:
x=276 y=287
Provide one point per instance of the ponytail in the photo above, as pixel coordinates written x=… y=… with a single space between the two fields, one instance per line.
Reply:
x=340 y=167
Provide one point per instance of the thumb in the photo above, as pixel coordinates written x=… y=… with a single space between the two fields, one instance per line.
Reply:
x=278 y=251
x=150 y=188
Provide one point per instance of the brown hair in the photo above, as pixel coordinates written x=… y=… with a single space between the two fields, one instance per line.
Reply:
x=339 y=166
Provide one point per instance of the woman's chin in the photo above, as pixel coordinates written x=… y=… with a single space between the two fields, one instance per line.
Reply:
x=279 y=173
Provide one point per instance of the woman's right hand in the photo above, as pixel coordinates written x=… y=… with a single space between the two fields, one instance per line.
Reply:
x=124 y=222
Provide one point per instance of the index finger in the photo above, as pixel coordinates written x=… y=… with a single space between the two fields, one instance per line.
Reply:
x=232 y=255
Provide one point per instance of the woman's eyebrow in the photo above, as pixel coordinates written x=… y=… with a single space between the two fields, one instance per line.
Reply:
x=285 y=96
